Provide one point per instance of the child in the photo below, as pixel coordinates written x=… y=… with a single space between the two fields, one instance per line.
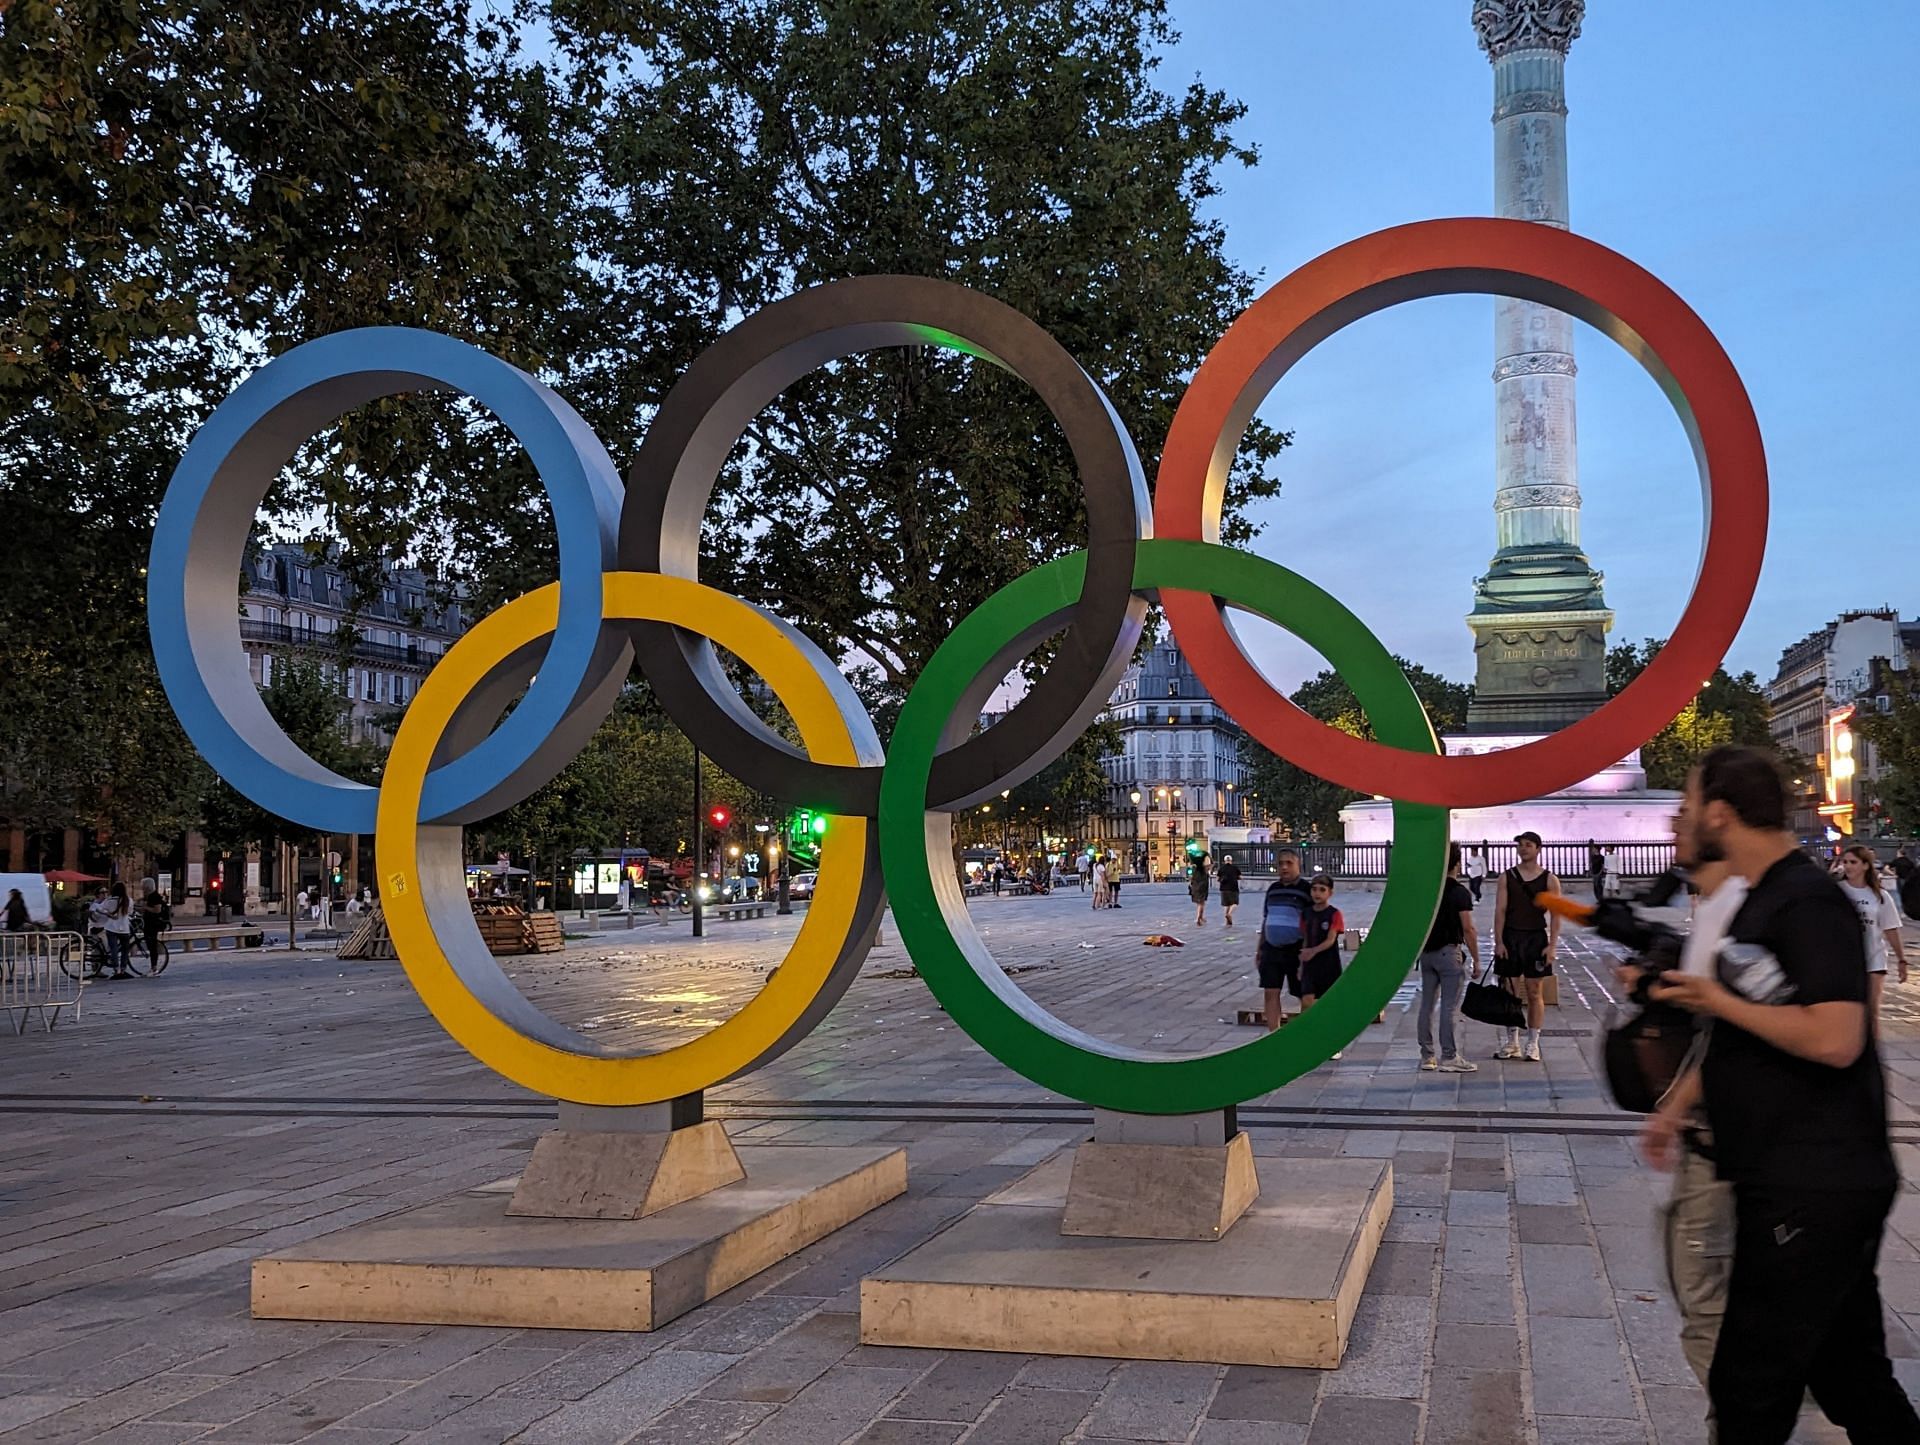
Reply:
x=1320 y=932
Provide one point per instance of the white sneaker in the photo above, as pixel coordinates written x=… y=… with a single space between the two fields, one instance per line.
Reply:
x=1459 y=1065
x=1428 y=1063
x=1336 y=1055
x=1532 y=1055
x=1507 y=1051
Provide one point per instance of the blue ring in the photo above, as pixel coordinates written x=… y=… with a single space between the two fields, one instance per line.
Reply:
x=209 y=507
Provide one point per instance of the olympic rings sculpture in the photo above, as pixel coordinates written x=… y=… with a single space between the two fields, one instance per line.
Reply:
x=628 y=586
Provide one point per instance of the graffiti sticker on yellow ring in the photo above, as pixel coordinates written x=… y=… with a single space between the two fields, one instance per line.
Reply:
x=422 y=865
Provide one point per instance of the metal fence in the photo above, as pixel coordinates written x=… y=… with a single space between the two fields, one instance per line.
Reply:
x=1369 y=860
x=41 y=973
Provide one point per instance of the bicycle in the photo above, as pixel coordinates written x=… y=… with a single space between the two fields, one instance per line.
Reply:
x=139 y=961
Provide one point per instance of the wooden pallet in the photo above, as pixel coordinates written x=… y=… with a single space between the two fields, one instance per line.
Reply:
x=369 y=938
x=509 y=929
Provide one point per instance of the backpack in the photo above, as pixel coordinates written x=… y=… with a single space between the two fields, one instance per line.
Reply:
x=1280 y=919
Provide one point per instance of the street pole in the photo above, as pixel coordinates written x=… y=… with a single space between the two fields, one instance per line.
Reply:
x=785 y=905
x=699 y=849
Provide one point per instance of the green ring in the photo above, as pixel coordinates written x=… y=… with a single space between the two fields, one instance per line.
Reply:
x=931 y=913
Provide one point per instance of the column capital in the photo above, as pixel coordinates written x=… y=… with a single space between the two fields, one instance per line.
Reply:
x=1508 y=25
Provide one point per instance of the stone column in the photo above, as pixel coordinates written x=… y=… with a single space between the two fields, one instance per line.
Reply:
x=1539 y=616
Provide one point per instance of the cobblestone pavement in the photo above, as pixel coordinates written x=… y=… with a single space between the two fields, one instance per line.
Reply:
x=245 y=1102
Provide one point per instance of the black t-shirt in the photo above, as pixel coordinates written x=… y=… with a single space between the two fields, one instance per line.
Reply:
x=1229 y=873
x=1447 y=932
x=1786 y=1122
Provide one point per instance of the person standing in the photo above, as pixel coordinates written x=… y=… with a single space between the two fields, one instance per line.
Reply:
x=1451 y=957
x=1100 y=883
x=115 y=915
x=1525 y=940
x=1906 y=881
x=1596 y=867
x=1796 y=1101
x=156 y=917
x=1476 y=872
x=1228 y=874
x=1320 y=931
x=1879 y=921
x=1277 y=955
x=1610 y=873
x=1197 y=890
x=18 y=914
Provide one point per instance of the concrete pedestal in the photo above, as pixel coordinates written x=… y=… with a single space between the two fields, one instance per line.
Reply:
x=466 y=1261
x=1278 y=1288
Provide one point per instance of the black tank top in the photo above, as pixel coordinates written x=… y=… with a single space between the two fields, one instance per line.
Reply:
x=1524 y=913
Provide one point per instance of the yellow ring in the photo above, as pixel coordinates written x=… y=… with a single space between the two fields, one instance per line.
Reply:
x=761 y=1026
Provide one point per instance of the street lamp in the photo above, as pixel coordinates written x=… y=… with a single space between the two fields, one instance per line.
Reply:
x=1139 y=827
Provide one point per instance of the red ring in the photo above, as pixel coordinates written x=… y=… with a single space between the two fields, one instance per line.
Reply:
x=1473 y=256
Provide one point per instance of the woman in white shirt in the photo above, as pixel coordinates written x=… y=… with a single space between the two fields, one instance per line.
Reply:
x=1879 y=918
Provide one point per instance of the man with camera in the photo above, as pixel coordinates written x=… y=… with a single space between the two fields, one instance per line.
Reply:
x=1796 y=1103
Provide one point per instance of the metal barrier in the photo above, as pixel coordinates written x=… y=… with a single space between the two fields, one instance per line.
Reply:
x=1568 y=860
x=43 y=973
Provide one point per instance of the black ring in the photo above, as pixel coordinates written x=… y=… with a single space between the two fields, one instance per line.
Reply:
x=710 y=407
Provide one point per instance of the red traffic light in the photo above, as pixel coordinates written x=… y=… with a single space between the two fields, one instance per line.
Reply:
x=719 y=816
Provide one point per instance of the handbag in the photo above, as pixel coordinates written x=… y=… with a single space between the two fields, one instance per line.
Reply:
x=1488 y=1003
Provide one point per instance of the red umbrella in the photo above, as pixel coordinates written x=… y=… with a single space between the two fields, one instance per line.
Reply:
x=69 y=875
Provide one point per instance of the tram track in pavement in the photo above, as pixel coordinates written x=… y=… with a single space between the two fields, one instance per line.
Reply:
x=1008 y=1112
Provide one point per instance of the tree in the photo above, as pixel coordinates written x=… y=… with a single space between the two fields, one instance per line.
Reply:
x=1895 y=738
x=191 y=188
x=1308 y=806
x=1729 y=709
x=312 y=711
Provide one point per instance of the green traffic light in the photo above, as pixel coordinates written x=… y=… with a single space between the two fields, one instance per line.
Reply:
x=817 y=823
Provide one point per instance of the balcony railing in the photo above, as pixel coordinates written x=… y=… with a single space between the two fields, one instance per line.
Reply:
x=280 y=632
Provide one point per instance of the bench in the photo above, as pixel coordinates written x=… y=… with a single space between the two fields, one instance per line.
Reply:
x=190 y=938
x=738 y=910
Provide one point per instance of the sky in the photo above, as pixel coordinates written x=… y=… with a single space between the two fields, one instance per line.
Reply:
x=1758 y=157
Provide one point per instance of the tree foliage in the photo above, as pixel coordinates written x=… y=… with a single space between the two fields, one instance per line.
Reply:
x=1302 y=805
x=1729 y=709
x=593 y=191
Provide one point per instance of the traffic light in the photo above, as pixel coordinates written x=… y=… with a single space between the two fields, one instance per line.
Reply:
x=809 y=824
x=338 y=877
x=1194 y=848
x=720 y=815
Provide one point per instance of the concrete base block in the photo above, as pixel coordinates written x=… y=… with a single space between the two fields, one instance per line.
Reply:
x=1159 y=1191
x=1279 y=1288
x=466 y=1261
x=575 y=1174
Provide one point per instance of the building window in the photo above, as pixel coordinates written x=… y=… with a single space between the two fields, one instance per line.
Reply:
x=266 y=669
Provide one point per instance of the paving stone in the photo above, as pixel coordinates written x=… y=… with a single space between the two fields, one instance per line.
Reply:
x=749 y=1326
x=906 y=1432
x=1678 y=1412
x=1551 y=1224
x=1475 y=1407
x=704 y=1422
x=1253 y=1392
x=1386 y=1350
x=1024 y=1416
x=959 y=1388
x=1476 y=1347
x=1632 y=1257
x=1477 y=1251
x=312 y=1409
x=792 y=1362
x=1562 y=1430
x=452 y=1390
x=1153 y=1401
x=1067 y=1372
x=1403 y=1269
x=485 y=1422
x=1249 y=1432
x=1410 y=1224
x=1565 y=1279
x=1476 y=1208
x=628 y=1401
x=1344 y=1421
x=1485 y=1299
x=1577 y=1368
x=1547 y=1189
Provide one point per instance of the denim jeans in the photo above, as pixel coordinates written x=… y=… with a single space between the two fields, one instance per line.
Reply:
x=1443 y=978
